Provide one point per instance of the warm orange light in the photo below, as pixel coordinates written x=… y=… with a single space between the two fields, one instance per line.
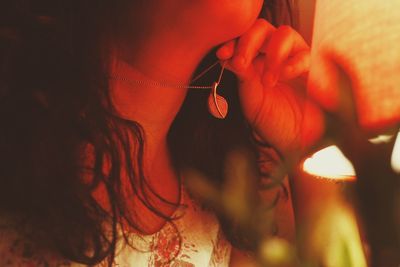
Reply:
x=396 y=155
x=326 y=221
x=329 y=163
x=363 y=37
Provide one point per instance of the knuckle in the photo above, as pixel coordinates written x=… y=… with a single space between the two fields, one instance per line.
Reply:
x=262 y=23
x=285 y=29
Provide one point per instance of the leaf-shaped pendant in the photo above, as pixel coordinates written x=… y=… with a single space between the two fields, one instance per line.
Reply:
x=217 y=105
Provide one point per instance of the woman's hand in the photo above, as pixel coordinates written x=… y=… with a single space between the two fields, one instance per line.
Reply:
x=271 y=64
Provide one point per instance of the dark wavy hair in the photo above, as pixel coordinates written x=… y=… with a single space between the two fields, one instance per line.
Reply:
x=54 y=99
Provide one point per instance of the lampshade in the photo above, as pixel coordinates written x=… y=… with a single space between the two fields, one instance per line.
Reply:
x=363 y=37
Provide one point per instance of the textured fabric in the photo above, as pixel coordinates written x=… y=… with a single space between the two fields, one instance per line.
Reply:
x=194 y=239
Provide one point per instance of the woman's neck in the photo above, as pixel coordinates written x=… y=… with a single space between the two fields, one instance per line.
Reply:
x=154 y=108
x=163 y=61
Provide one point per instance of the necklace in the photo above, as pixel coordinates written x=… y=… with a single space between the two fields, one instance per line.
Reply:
x=217 y=104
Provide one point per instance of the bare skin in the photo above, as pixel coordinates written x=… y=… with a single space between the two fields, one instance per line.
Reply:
x=170 y=54
x=170 y=49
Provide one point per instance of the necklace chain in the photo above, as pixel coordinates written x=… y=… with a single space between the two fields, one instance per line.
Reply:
x=181 y=86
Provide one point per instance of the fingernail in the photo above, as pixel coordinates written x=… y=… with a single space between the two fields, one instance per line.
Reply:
x=270 y=79
x=224 y=53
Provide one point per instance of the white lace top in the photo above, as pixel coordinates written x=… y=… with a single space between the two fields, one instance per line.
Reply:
x=193 y=240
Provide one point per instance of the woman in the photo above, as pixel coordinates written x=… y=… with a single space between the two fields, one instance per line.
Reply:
x=93 y=146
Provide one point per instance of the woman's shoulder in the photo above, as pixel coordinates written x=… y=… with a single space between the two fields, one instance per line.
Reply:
x=17 y=251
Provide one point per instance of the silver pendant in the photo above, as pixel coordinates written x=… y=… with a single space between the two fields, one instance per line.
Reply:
x=217 y=105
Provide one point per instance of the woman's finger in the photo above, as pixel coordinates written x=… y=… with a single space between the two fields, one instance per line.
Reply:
x=295 y=66
x=250 y=43
x=226 y=51
x=284 y=42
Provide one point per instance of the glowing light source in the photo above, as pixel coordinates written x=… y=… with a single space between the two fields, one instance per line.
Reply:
x=326 y=219
x=396 y=155
x=381 y=139
x=363 y=38
x=329 y=163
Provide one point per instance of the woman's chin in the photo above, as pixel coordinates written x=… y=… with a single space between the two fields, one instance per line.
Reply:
x=239 y=19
